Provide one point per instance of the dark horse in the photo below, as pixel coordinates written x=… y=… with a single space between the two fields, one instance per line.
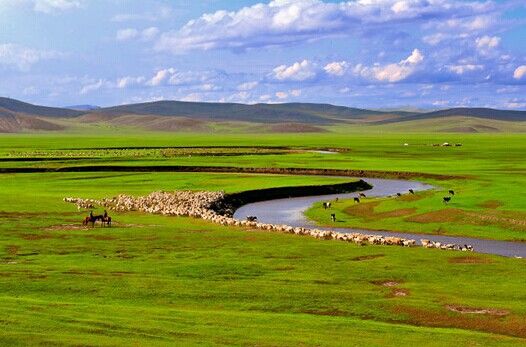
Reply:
x=105 y=220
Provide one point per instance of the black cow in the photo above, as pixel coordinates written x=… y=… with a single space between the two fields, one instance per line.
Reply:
x=333 y=217
x=357 y=200
x=411 y=191
x=451 y=192
x=446 y=199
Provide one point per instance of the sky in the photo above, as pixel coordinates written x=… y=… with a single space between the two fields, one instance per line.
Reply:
x=379 y=54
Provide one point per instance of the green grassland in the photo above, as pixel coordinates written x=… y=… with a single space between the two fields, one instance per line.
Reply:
x=154 y=280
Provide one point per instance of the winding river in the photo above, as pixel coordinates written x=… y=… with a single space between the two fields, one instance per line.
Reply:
x=291 y=212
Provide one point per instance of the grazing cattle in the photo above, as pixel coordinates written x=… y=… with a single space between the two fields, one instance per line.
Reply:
x=398 y=194
x=458 y=145
x=326 y=205
x=446 y=199
x=436 y=145
x=362 y=195
x=252 y=218
x=336 y=199
x=411 y=191
x=451 y=192
x=333 y=217
x=357 y=200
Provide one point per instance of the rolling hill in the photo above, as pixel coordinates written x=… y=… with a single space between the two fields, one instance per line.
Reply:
x=18 y=116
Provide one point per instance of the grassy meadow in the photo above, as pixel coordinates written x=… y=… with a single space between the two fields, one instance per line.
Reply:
x=153 y=280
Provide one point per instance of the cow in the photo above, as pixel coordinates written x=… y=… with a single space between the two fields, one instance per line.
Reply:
x=451 y=192
x=333 y=217
x=252 y=218
x=446 y=199
x=398 y=194
x=326 y=205
x=411 y=191
x=357 y=200
x=362 y=195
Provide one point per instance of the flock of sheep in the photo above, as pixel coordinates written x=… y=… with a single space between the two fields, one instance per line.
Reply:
x=205 y=205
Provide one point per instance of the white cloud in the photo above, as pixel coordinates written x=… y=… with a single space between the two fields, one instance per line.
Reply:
x=161 y=76
x=299 y=71
x=285 y=22
x=392 y=72
x=149 y=34
x=296 y=92
x=282 y=95
x=22 y=57
x=519 y=72
x=337 y=68
x=486 y=42
x=51 y=6
x=91 y=87
x=463 y=68
x=128 y=81
x=171 y=76
x=127 y=34
x=416 y=57
x=248 y=85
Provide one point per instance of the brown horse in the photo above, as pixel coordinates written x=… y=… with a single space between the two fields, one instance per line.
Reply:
x=92 y=219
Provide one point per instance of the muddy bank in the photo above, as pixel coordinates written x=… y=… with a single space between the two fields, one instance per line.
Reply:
x=232 y=169
x=232 y=202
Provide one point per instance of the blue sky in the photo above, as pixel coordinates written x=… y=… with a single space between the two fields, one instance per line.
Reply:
x=363 y=53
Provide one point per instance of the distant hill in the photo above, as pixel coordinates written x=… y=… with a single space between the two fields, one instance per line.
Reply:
x=485 y=113
x=288 y=117
x=83 y=107
x=35 y=110
x=321 y=114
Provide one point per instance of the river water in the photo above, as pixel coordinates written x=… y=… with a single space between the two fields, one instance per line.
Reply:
x=291 y=212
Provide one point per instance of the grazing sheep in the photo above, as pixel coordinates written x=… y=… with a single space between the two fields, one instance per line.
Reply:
x=202 y=204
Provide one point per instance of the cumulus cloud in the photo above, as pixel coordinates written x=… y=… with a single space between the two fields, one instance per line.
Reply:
x=126 y=34
x=463 y=68
x=128 y=81
x=519 y=72
x=248 y=86
x=174 y=77
x=94 y=86
x=51 y=6
x=392 y=72
x=23 y=57
x=299 y=71
x=337 y=68
x=486 y=42
x=285 y=22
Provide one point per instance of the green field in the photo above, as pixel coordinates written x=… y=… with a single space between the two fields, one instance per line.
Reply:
x=154 y=280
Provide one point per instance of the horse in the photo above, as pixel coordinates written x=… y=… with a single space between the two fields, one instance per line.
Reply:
x=357 y=200
x=446 y=199
x=106 y=221
x=451 y=192
x=411 y=191
x=92 y=219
